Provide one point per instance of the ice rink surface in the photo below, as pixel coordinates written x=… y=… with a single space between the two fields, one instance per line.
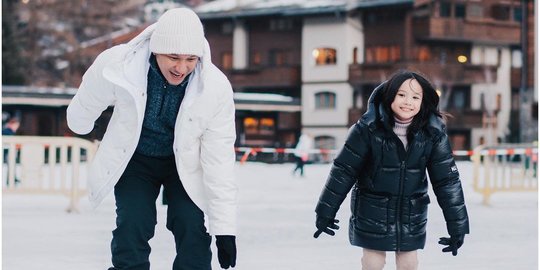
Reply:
x=276 y=225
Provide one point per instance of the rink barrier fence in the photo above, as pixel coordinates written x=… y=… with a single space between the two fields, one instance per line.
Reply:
x=500 y=168
x=47 y=165
x=504 y=168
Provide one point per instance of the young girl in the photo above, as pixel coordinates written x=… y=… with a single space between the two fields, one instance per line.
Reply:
x=385 y=158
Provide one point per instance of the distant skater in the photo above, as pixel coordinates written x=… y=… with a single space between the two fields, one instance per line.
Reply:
x=301 y=152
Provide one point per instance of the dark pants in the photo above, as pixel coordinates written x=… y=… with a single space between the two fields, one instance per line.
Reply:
x=299 y=165
x=136 y=193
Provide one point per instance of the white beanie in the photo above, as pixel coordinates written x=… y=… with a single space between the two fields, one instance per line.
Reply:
x=178 y=31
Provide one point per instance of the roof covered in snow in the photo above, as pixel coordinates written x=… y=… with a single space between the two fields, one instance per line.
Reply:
x=249 y=8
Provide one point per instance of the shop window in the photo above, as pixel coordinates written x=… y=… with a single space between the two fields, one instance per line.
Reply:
x=266 y=126
x=259 y=126
x=251 y=125
x=325 y=56
x=325 y=100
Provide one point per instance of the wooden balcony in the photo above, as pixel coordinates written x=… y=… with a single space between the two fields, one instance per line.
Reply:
x=285 y=76
x=464 y=119
x=452 y=74
x=435 y=28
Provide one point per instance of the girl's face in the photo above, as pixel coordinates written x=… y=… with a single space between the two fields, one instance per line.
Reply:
x=407 y=101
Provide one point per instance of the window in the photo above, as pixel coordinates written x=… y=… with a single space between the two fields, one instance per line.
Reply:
x=459 y=10
x=266 y=126
x=383 y=54
x=251 y=125
x=475 y=11
x=281 y=24
x=444 y=9
x=325 y=100
x=324 y=56
x=424 y=54
x=500 y=12
x=226 y=60
x=256 y=59
x=227 y=28
x=259 y=126
x=277 y=58
x=459 y=98
x=518 y=14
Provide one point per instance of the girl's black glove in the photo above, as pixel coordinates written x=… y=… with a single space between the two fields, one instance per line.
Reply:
x=453 y=243
x=226 y=246
x=324 y=224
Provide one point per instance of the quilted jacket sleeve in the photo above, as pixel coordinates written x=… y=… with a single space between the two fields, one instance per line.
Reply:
x=444 y=177
x=94 y=95
x=344 y=171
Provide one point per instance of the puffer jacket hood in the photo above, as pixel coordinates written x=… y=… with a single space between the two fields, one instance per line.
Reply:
x=375 y=114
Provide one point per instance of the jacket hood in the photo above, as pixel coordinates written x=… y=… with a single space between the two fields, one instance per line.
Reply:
x=375 y=114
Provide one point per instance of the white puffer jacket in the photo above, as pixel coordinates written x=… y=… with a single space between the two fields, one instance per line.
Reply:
x=204 y=131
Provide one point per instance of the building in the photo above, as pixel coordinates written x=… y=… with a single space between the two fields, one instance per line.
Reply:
x=466 y=48
x=310 y=66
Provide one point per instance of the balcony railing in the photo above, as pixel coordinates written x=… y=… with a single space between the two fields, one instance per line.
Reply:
x=466 y=118
x=466 y=29
x=454 y=74
x=285 y=76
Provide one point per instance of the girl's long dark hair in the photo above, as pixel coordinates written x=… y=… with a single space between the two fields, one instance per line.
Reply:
x=430 y=99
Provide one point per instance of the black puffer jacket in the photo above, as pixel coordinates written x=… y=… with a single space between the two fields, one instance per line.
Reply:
x=389 y=200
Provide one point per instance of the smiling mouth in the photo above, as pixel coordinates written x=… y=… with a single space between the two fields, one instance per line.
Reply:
x=176 y=75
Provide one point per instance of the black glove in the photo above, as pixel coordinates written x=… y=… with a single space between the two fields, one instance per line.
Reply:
x=324 y=224
x=226 y=247
x=452 y=243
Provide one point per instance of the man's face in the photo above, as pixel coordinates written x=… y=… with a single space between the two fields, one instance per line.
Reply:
x=176 y=67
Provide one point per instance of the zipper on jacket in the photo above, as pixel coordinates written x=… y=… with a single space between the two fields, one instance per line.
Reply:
x=400 y=204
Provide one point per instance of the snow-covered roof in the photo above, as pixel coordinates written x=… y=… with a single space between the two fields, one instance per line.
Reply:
x=265 y=97
x=248 y=8
x=375 y=3
x=245 y=8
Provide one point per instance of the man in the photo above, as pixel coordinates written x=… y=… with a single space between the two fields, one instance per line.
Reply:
x=11 y=126
x=172 y=125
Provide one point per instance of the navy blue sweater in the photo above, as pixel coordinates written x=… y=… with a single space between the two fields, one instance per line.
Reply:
x=162 y=105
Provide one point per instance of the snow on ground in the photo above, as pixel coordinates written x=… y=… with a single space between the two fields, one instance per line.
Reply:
x=276 y=224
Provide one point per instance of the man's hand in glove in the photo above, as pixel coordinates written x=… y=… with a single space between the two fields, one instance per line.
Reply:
x=325 y=225
x=226 y=247
x=453 y=243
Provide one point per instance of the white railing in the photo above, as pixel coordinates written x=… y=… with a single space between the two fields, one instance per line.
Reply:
x=46 y=165
x=505 y=168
